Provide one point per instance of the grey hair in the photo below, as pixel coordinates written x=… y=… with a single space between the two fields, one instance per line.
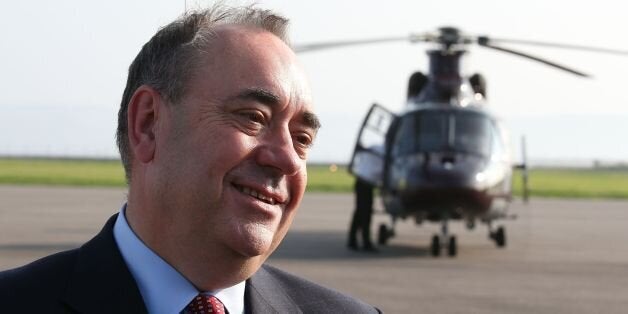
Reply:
x=168 y=59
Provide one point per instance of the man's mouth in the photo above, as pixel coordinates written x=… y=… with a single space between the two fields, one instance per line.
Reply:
x=257 y=194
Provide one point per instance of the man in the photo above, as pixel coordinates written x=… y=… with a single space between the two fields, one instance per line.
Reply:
x=214 y=130
x=361 y=220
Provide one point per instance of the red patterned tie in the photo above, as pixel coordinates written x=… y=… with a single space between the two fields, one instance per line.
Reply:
x=205 y=304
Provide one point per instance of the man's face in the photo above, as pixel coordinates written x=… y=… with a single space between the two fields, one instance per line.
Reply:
x=231 y=155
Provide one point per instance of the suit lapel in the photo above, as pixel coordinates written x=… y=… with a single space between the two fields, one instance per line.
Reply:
x=264 y=295
x=101 y=282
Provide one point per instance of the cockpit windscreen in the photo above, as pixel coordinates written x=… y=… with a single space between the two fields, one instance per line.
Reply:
x=440 y=131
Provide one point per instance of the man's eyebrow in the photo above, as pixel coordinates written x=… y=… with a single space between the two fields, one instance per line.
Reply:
x=311 y=121
x=258 y=94
x=270 y=99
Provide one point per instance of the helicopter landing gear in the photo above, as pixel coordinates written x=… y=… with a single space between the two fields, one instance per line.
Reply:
x=499 y=236
x=448 y=241
x=384 y=233
x=452 y=248
x=435 y=246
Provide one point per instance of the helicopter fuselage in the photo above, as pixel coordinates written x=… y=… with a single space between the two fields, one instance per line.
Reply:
x=446 y=162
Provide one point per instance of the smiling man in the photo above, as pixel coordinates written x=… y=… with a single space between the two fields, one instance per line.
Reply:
x=214 y=130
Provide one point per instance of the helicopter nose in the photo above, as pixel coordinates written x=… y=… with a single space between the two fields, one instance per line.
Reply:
x=448 y=162
x=449 y=170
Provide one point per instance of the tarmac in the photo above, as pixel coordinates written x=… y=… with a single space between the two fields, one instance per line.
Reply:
x=562 y=256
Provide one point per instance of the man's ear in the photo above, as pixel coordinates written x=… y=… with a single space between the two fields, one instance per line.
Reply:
x=142 y=116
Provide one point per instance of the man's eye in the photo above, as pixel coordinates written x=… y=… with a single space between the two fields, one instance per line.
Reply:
x=254 y=116
x=304 y=140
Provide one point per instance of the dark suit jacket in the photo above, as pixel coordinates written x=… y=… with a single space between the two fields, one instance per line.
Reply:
x=95 y=279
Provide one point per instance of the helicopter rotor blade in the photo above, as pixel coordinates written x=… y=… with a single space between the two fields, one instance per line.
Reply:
x=525 y=55
x=491 y=40
x=337 y=44
x=450 y=36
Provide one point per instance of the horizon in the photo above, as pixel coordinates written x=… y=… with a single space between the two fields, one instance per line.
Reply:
x=538 y=163
x=545 y=143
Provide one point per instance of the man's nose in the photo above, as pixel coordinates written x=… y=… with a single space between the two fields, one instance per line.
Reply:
x=277 y=151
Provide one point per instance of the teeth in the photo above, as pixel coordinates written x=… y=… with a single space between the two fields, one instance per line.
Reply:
x=249 y=191
x=270 y=200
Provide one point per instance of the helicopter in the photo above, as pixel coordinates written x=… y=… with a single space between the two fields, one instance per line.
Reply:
x=445 y=157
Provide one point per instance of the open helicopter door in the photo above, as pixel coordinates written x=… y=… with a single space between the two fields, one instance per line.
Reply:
x=367 y=162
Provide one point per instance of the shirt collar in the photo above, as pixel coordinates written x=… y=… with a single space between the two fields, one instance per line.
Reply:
x=163 y=288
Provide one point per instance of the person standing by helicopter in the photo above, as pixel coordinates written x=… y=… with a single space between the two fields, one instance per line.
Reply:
x=361 y=220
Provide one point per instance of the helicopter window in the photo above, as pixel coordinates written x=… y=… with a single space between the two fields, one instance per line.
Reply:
x=404 y=139
x=424 y=132
x=443 y=131
x=432 y=130
x=497 y=149
x=472 y=133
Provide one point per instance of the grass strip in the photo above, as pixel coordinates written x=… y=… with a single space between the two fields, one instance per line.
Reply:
x=545 y=182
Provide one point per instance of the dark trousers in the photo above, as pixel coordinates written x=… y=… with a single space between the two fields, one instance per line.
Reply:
x=361 y=220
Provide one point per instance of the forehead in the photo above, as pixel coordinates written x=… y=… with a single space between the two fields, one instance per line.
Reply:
x=241 y=59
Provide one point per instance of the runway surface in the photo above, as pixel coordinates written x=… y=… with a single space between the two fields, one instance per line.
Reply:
x=563 y=256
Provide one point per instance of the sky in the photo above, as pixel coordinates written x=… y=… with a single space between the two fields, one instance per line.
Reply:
x=63 y=68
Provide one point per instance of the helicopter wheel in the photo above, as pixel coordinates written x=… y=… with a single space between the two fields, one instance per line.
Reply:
x=500 y=237
x=452 y=249
x=435 y=247
x=383 y=234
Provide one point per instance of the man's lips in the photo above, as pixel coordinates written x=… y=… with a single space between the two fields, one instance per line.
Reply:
x=262 y=195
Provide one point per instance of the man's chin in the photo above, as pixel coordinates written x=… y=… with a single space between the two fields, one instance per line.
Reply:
x=254 y=242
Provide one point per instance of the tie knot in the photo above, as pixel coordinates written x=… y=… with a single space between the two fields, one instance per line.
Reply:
x=205 y=304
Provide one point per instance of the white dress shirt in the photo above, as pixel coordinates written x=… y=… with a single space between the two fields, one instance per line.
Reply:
x=163 y=288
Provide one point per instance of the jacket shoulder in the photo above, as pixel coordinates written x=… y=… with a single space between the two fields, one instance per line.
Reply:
x=45 y=278
x=314 y=298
